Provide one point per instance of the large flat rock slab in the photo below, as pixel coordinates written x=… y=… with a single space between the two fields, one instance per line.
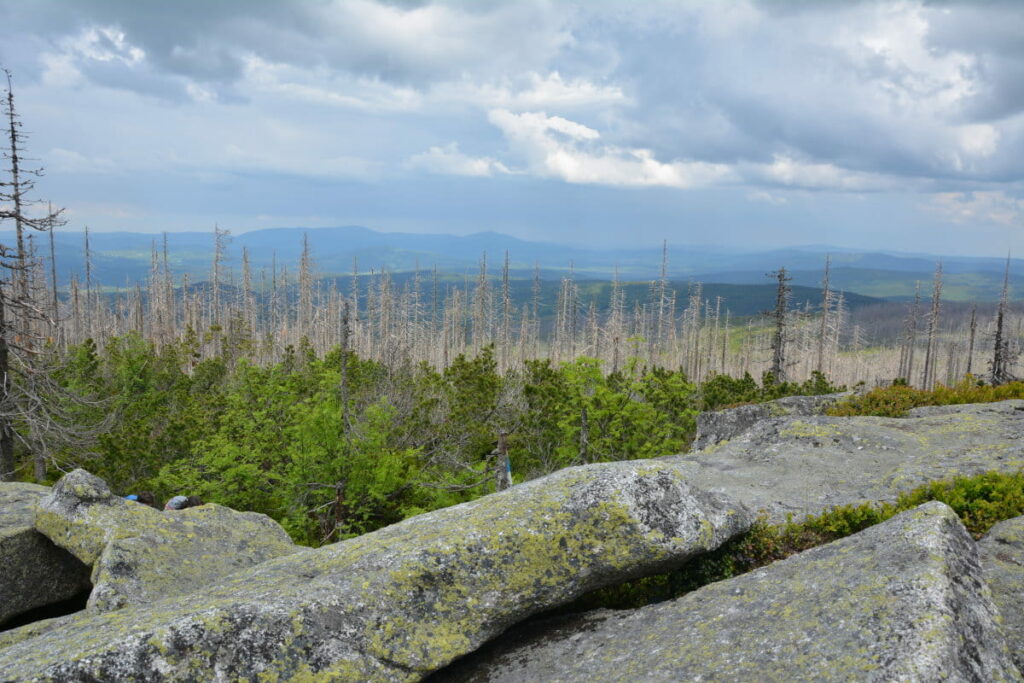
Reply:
x=33 y=571
x=901 y=601
x=399 y=603
x=802 y=465
x=139 y=555
x=1002 y=557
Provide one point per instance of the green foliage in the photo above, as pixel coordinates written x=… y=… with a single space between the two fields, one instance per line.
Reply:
x=723 y=391
x=980 y=501
x=896 y=399
x=339 y=446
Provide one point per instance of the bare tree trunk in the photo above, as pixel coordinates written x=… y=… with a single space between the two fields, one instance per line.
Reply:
x=502 y=465
x=826 y=308
x=778 y=367
x=928 y=378
x=910 y=337
x=506 y=317
x=6 y=429
x=55 y=309
x=1001 y=355
x=973 y=331
x=304 y=314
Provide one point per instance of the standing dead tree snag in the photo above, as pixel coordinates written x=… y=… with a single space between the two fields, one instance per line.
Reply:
x=931 y=351
x=1002 y=354
x=780 y=320
x=34 y=410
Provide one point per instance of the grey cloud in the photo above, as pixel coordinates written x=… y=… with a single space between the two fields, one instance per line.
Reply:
x=209 y=41
x=784 y=84
x=993 y=31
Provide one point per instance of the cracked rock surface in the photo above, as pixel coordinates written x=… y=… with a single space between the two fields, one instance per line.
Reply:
x=1002 y=557
x=139 y=554
x=900 y=601
x=403 y=601
x=35 y=572
x=804 y=465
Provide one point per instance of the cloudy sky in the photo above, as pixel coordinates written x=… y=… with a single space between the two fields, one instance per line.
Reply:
x=858 y=124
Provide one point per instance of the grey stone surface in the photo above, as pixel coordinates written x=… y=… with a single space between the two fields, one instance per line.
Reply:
x=139 y=554
x=33 y=571
x=722 y=425
x=998 y=407
x=801 y=465
x=1002 y=558
x=403 y=601
x=901 y=601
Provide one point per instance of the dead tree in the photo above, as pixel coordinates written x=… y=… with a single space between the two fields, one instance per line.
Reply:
x=1002 y=354
x=973 y=329
x=826 y=310
x=931 y=350
x=34 y=409
x=780 y=319
x=906 y=368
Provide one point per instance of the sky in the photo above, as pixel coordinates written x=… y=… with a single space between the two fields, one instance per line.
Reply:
x=866 y=125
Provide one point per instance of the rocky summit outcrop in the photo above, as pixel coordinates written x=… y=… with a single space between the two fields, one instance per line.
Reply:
x=207 y=594
x=901 y=601
x=722 y=425
x=801 y=465
x=1002 y=557
x=138 y=554
x=403 y=601
x=33 y=571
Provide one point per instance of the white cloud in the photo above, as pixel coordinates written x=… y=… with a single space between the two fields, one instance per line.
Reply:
x=979 y=206
x=559 y=148
x=532 y=91
x=790 y=172
x=449 y=160
x=322 y=87
x=104 y=44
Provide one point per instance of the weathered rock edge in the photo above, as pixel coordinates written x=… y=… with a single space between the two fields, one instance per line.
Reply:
x=805 y=465
x=406 y=600
x=722 y=425
x=138 y=554
x=1002 y=558
x=33 y=571
x=904 y=600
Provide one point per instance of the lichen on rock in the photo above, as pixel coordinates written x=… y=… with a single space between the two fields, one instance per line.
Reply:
x=800 y=465
x=139 y=554
x=901 y=601
x=722 y=425
x=33 y=571
x=406 y=600
x=1002 y=557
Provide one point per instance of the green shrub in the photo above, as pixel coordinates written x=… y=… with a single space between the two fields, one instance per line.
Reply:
x=897 y=399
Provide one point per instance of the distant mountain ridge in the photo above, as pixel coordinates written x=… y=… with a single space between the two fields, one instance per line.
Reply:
x=120 y=258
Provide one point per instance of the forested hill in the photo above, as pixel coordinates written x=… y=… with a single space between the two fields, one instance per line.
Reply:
x=736 y=299
x=126 y=257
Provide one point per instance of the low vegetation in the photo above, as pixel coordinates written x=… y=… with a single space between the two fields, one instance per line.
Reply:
x=895 y=400
x=339 y=445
